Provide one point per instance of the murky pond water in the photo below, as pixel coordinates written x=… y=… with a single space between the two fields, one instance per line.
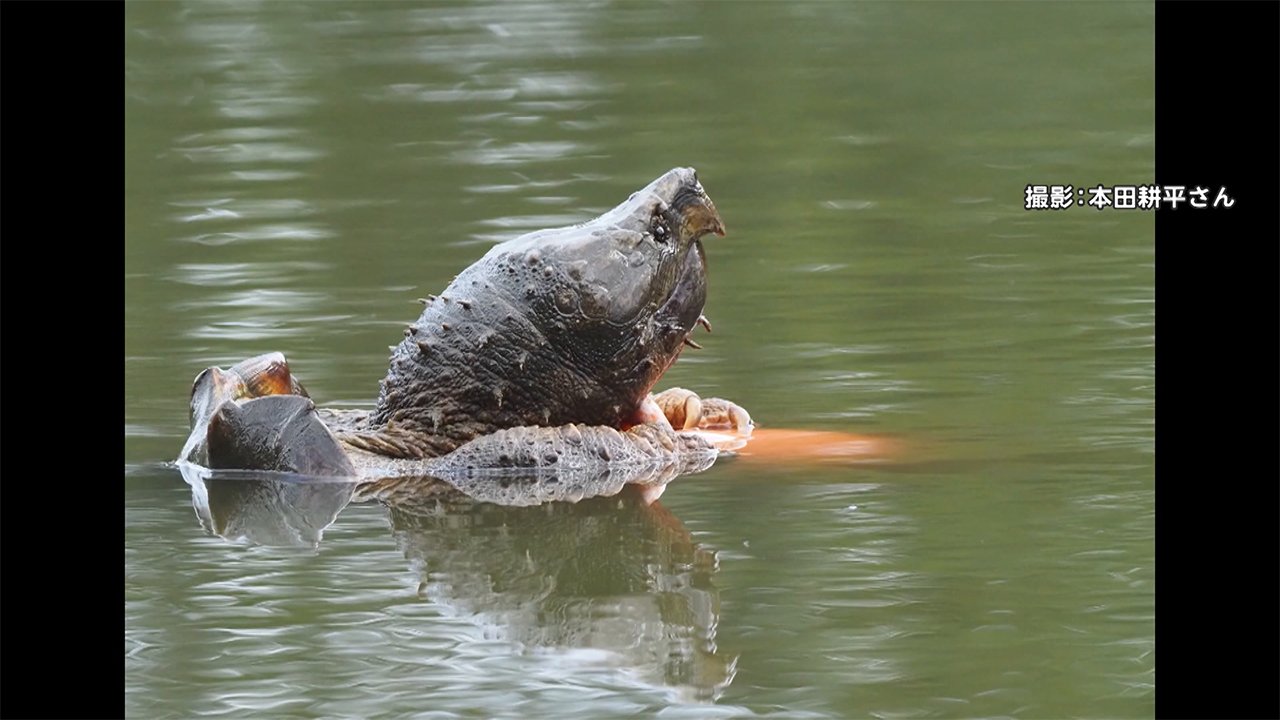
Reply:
x=297 y=174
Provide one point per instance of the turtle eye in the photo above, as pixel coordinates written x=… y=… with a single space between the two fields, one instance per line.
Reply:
x=659 y=229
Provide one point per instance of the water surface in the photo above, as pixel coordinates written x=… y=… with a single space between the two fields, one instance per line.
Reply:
x=297 y=174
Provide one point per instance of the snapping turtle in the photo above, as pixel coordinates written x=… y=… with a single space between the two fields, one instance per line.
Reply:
x=542 y=353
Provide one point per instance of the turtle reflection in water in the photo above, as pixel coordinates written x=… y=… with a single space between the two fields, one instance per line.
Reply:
x=619 y=576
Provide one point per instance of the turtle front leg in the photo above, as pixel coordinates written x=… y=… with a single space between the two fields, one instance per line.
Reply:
x=686 y=411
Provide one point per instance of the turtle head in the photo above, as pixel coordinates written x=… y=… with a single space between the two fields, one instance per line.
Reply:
x=618 y=296
x=664 y=295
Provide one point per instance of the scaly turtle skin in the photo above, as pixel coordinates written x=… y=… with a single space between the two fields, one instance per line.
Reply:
x=546 y=349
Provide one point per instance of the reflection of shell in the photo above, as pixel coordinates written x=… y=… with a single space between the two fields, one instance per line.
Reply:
x=612 y=581
x=265 y=508
x=613 y=576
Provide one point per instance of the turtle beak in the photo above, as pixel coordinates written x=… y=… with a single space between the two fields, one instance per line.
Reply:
x=698 y=215
x=711 y=219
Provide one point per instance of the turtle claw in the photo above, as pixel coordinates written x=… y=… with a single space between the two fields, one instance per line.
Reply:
x=724 y=415
x=704 y=322
x=686 y=411
x=682 y=407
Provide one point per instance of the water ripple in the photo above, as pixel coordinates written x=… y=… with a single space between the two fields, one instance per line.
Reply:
x=234 y=274
x=258 y=209
x=521 y=153
x=249 y=153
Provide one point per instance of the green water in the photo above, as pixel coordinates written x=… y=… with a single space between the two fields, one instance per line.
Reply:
x=297 y=174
